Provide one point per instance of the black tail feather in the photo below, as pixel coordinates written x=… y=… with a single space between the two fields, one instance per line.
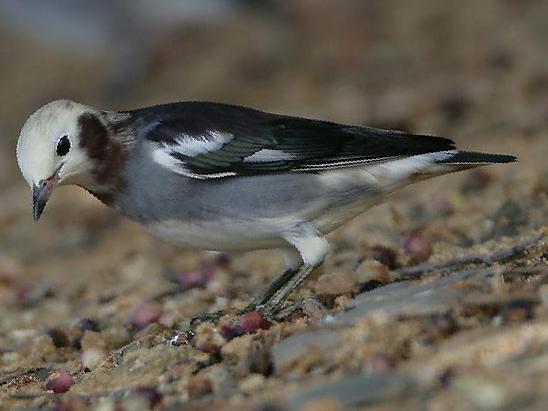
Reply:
x=472 y=157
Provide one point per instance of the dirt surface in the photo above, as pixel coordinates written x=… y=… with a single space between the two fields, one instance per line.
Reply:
x=436 y=300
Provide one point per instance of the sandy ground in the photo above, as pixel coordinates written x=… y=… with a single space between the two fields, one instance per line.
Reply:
x=436 y=300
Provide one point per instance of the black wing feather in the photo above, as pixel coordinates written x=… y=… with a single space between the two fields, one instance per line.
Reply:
x=310 y=145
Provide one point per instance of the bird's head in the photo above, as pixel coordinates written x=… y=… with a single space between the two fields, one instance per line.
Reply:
x=57 y=146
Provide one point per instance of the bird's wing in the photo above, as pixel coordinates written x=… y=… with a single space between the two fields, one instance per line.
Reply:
x=209 y=140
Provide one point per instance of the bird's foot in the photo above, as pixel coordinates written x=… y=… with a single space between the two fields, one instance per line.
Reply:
x=272 y=312
x=310 y=307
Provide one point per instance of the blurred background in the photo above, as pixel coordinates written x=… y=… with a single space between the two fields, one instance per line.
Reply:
x=473 y=71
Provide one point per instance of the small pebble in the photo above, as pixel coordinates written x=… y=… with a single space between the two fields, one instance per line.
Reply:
x=60 y=382
x=76 y=332
x=252 y=383
x=229 y=332
x=209 y=347
x=146 y=313
x=441 y=326
x=372 y=270
x=91 y=358
x=58 y=337
x=198 y=278
x=253 y=321
x=89 y=324
x=198 y=386
x=383 y=255
x=517 y=311
x=207 y=339
x=338 y=282
x=416 y=247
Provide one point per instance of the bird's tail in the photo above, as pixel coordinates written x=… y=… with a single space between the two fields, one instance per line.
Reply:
x=411 y=169
x=476 y=159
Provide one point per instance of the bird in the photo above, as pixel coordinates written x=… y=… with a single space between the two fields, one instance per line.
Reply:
x=221 y=177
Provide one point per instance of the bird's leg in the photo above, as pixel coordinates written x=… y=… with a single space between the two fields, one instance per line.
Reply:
x=293 y=262
x=272 y=289
x=274 y=304
x=310 y=249
x=313 y=248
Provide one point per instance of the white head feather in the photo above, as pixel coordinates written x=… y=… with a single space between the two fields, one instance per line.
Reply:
x=36 y=148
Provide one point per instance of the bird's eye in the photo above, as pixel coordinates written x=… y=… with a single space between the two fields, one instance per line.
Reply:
x=63 y=146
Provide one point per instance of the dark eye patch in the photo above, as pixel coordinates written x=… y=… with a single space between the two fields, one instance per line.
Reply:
x=63 y=146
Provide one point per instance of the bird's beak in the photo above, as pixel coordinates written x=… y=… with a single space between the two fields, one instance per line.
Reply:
x=41 y=194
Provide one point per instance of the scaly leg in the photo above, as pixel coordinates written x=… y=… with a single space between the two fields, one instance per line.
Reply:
x=313 y=248
x=293 y=261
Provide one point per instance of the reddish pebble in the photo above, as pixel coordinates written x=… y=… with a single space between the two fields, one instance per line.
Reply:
x=198 y=386
x=253 y=321
x=383 y=255
x=145 y=314
x=60 y=382
x=416 y=246
x=198 y=278
x=209 y=347
x=229 y=332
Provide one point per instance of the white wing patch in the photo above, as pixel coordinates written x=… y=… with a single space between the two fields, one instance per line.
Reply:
x=190 y=146
x=163 y=157
x=265 y=155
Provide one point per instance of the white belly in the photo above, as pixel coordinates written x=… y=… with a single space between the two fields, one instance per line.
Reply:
x=222 y=236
